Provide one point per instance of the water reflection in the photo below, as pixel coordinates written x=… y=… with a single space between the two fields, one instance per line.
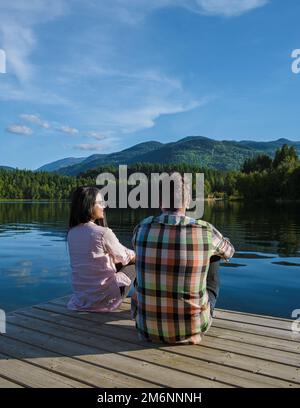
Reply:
x=34 y=264
x=286 y=263
x=232 y=264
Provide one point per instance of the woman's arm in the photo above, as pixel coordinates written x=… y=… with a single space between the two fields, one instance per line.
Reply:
x=118 y=252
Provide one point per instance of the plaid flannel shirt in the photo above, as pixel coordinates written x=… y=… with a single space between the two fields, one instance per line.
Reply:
x=170 y=303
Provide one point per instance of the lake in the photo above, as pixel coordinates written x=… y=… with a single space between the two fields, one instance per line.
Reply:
x=263 y=276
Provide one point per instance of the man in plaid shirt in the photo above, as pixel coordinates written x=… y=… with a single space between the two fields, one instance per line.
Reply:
x=177 y=283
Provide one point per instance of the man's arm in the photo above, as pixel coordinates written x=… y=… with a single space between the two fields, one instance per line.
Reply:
x=222 y=246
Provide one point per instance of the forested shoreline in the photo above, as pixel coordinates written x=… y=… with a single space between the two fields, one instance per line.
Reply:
x=260 y=178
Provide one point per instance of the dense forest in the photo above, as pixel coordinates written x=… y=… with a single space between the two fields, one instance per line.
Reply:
x=26 y=184
x=260 y=177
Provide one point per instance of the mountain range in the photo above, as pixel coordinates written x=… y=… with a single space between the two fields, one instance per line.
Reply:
x=200 y=150
x=6 y=168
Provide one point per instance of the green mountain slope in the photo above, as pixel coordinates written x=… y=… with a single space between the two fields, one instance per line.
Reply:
x=58 y=164
x=199 y=150
x=130 y=155
x=6 y=168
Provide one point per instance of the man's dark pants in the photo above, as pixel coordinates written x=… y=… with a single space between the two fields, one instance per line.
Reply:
x=213 y=281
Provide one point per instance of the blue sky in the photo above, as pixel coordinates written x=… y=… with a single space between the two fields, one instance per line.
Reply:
x=97 y=76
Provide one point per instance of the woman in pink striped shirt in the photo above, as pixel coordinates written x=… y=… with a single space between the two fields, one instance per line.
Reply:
x=94 y=252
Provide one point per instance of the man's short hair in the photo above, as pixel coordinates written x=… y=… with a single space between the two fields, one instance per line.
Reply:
x=173 y=192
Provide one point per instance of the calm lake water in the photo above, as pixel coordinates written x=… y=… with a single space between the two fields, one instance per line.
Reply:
x=263 y=276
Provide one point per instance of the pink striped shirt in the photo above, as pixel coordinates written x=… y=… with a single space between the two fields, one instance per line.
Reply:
x=94 y=250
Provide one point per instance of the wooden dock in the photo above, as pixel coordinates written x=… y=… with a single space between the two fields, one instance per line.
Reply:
x=48 y=346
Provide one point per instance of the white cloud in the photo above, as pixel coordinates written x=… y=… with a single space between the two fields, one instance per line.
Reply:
x=68 y=129
x=91 y=69
x=89 y=147
x=132 y=120
x=19 y=129
x=18 y=17
x=106 y=146
x=121 y=100
x=128 y=101
x=228 y=8
x=18 y=43
x=36 y=120
x=124 y=120
x=99 y=135
x=134 y=11
x=31 y=93
x=36 y=10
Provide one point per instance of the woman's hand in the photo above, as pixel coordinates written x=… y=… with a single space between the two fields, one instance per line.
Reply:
x=132 y=260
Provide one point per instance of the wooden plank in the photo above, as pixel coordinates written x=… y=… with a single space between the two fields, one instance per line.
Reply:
x=258 y=325
x=254 y=339
x=130 y=336
x=110 y=355
x=64 y=300
x=260 y=352
x=221 y=314
x=233 y=360
x=259 y=339
x=213 y=338
x=4 y=383
x=257 y=329
x=268 y=333
x=61 y=316
x=265 y=320
x=229 y=313
x=257 y=320
x=72 y=368
x=29 y=375
x=235 y=312
x=239 y=349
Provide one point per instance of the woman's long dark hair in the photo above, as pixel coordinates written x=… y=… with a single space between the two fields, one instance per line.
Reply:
x=81 y=210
